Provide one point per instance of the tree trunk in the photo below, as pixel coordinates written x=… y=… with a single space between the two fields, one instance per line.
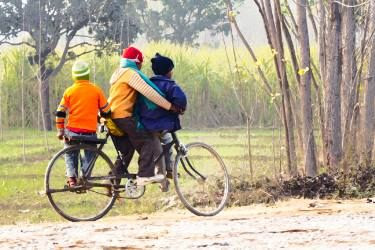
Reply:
x=322 y=69
x=305 y=90
x=348 y=89
x=355 y=126
x=44 y=98
x=349 y=62
x=274 y=37
x=269 y=25
x=293 y=56
x=333 y=97
x=368 y=119
x=320 y=107
x=322 y=40
x=284 y=85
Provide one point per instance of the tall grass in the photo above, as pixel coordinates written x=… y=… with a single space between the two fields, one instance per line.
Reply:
x=204 y=74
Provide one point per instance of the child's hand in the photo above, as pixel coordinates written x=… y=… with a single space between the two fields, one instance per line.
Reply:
x=60 y=135
x=176 y=109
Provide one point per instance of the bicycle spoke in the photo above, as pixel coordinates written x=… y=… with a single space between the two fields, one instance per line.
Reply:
x=186 y=170
x=191 y=166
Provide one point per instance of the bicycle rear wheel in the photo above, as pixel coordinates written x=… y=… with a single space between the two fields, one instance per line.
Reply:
x=201 y=179
x=89 y=200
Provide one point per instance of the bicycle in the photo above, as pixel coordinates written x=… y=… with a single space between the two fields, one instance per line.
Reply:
x=199 y=174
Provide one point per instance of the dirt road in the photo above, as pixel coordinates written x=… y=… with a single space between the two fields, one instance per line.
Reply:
x=295 y=224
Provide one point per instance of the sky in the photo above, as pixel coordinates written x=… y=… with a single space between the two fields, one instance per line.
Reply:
x=251 y=24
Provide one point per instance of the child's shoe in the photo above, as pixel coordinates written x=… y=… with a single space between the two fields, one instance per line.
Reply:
x=72 y=182
x=142 y=181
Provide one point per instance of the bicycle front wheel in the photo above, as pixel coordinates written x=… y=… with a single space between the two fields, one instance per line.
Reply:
x=201 y=179
x=90 y=199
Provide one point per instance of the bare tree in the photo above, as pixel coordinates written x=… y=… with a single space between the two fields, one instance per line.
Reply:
x=348 y=88
x=305 y=90
x=272 y=23
x=348 y=61
x=368 y=116
x=322 y=68
x=333 y=82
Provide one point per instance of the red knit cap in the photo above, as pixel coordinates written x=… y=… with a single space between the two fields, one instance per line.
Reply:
x=133 y=54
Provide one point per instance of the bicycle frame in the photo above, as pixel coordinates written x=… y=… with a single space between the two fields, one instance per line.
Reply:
x=180 y=148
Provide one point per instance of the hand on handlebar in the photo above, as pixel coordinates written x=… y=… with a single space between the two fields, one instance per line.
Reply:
x=60 y=135
x=177 y=110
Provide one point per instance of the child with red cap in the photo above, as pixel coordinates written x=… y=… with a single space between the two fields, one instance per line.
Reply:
x=128 y=86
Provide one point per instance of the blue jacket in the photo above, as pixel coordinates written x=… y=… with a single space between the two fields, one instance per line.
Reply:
x=160 y=119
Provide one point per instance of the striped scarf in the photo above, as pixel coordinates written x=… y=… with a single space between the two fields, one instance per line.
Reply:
x=126 y=63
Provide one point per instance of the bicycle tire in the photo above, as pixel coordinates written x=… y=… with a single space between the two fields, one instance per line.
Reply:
x=216 y=178
x=53 y=174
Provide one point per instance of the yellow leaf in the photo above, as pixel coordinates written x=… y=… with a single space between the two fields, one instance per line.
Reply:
x=232 y=13
x=301 y=72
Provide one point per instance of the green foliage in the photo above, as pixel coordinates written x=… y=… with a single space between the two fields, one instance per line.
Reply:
x=182 y=21
x=48 y=21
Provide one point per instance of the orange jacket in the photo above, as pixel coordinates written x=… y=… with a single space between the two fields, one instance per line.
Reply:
x=83 y=100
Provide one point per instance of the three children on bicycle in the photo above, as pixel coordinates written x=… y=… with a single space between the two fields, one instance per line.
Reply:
x=138 y=106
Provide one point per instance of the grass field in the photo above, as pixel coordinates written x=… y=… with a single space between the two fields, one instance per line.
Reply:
x=24 y=158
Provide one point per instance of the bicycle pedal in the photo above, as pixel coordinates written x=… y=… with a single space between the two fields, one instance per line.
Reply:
x=164 y=185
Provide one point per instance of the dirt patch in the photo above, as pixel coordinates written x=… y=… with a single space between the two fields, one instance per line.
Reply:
x=292 y=224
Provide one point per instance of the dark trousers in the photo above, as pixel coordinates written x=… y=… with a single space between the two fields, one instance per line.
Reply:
x=145 y=143
x=126 y=149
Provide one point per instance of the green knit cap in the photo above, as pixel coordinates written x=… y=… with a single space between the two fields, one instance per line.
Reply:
x=80 y=69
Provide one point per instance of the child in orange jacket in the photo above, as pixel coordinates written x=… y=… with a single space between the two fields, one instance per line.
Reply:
x=81 y=101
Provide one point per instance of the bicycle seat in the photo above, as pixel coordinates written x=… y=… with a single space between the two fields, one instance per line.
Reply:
x=85 y=139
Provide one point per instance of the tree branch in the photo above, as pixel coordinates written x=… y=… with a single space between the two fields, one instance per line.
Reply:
x=81 y=54
x=80 y=44
x=292 y=18
x=69 y=37
x=63 y=57
x=85 y=36
x=17 y=44
x=313 y=23
x=233 y=21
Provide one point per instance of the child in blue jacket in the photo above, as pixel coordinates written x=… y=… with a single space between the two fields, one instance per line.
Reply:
x=158 y=119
